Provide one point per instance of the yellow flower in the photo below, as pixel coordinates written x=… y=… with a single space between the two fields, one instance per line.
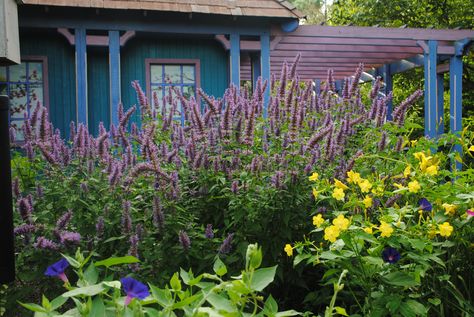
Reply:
x=288 y=249
x=386 y=229
x=450 y=209
x=399 y=186
x=338 y=194
x=341 y=222
x=331 y=233
x=471 y=148
x=407 y=171
x=368 y=230
x=368 y=202
x=313 y=177
x=431 y=233
x=432 y=170
x=419 y=156
x=353 y=177
x=340 y=184
x=413 y=142
x=414 y=187
x=315 y=193
x=318 y=220
x=445 y=229
x=365 y=185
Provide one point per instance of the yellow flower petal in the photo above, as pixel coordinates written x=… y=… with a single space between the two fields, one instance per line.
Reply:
x=340 y=184
x=414 y=187
x=445 y=229
x=288 y=249
x=318 y=220
x=386 y=229
x=338 y=194
x=341 y=222
x=314 y=177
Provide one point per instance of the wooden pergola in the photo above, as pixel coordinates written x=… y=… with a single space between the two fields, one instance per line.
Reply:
x=384 y=52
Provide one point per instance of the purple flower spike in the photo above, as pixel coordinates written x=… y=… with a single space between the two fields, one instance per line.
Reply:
x=390 y=255
x=57 y=270
x=425 y=204
x=209 y=233
x=134 y=289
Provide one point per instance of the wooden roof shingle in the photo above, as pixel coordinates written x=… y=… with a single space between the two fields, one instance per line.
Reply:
x=255 y=8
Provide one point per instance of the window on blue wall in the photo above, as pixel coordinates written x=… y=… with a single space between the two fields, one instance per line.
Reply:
x=166 y=74
x=25 y=84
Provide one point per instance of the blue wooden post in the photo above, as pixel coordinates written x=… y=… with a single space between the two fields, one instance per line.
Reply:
x=235 y=59
x=430 y=61
x=338 y=85
x=81 y=76
x=388 y=80
x=265 y=63
x=317 y=86
x=440 y=104
x=256 y=69
x=455 y=86
x=114 y=73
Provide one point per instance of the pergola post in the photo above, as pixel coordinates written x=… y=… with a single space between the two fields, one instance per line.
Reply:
x=338 y=86
x=235 y=59
x=81 y=76
x=317 y=86
x=114 y=75
x=255 y=68
x=388 y=80
x=455 y=86
x=431 y=77
x=265 y=64
x=440 y=104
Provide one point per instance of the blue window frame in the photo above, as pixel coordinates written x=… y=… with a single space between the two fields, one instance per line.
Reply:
x=26 y=87
x=163 y=74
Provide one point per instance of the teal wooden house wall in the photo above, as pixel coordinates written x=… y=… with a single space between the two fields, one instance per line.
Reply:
x=61 y=74
x=214 y=73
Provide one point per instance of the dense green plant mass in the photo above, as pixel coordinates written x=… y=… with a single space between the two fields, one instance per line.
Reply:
x=176 y=193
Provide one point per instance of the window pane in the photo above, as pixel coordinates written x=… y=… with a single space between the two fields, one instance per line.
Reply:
x=18 y=73
x=188 y=91
x=3 y=74
x=3 y=89
x=156 y=73
x=18 y=126
x=35 y=72
x=159 y=95
x=173 y=74
x=36 y=95
x=188 y=74
x=17 y=101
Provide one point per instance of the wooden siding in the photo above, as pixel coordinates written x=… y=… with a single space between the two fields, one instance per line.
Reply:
x=61 y=74
x=213 y=59
x=98 y=88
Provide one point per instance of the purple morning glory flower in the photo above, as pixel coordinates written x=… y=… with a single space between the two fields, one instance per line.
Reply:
x=425 y=204
x=390 y=255
x=134 y=289
x=57 y=269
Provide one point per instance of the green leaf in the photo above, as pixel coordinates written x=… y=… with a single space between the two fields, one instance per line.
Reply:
x=117 y=261
x=287 y=313
x=91 y=274
x=435 y=301
x=33 y=307
x=400 y=279
x=341 y=311
x=220 y=302
x=113 y=239
x=87 y=291
x=219 y=267
x=58 y=302
x=98 y=307
x=45 y=303
x=162 y=296
x=175 y=283
x=262 y=278
x=271 y=305
x=74 y=263
x=412 y=308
